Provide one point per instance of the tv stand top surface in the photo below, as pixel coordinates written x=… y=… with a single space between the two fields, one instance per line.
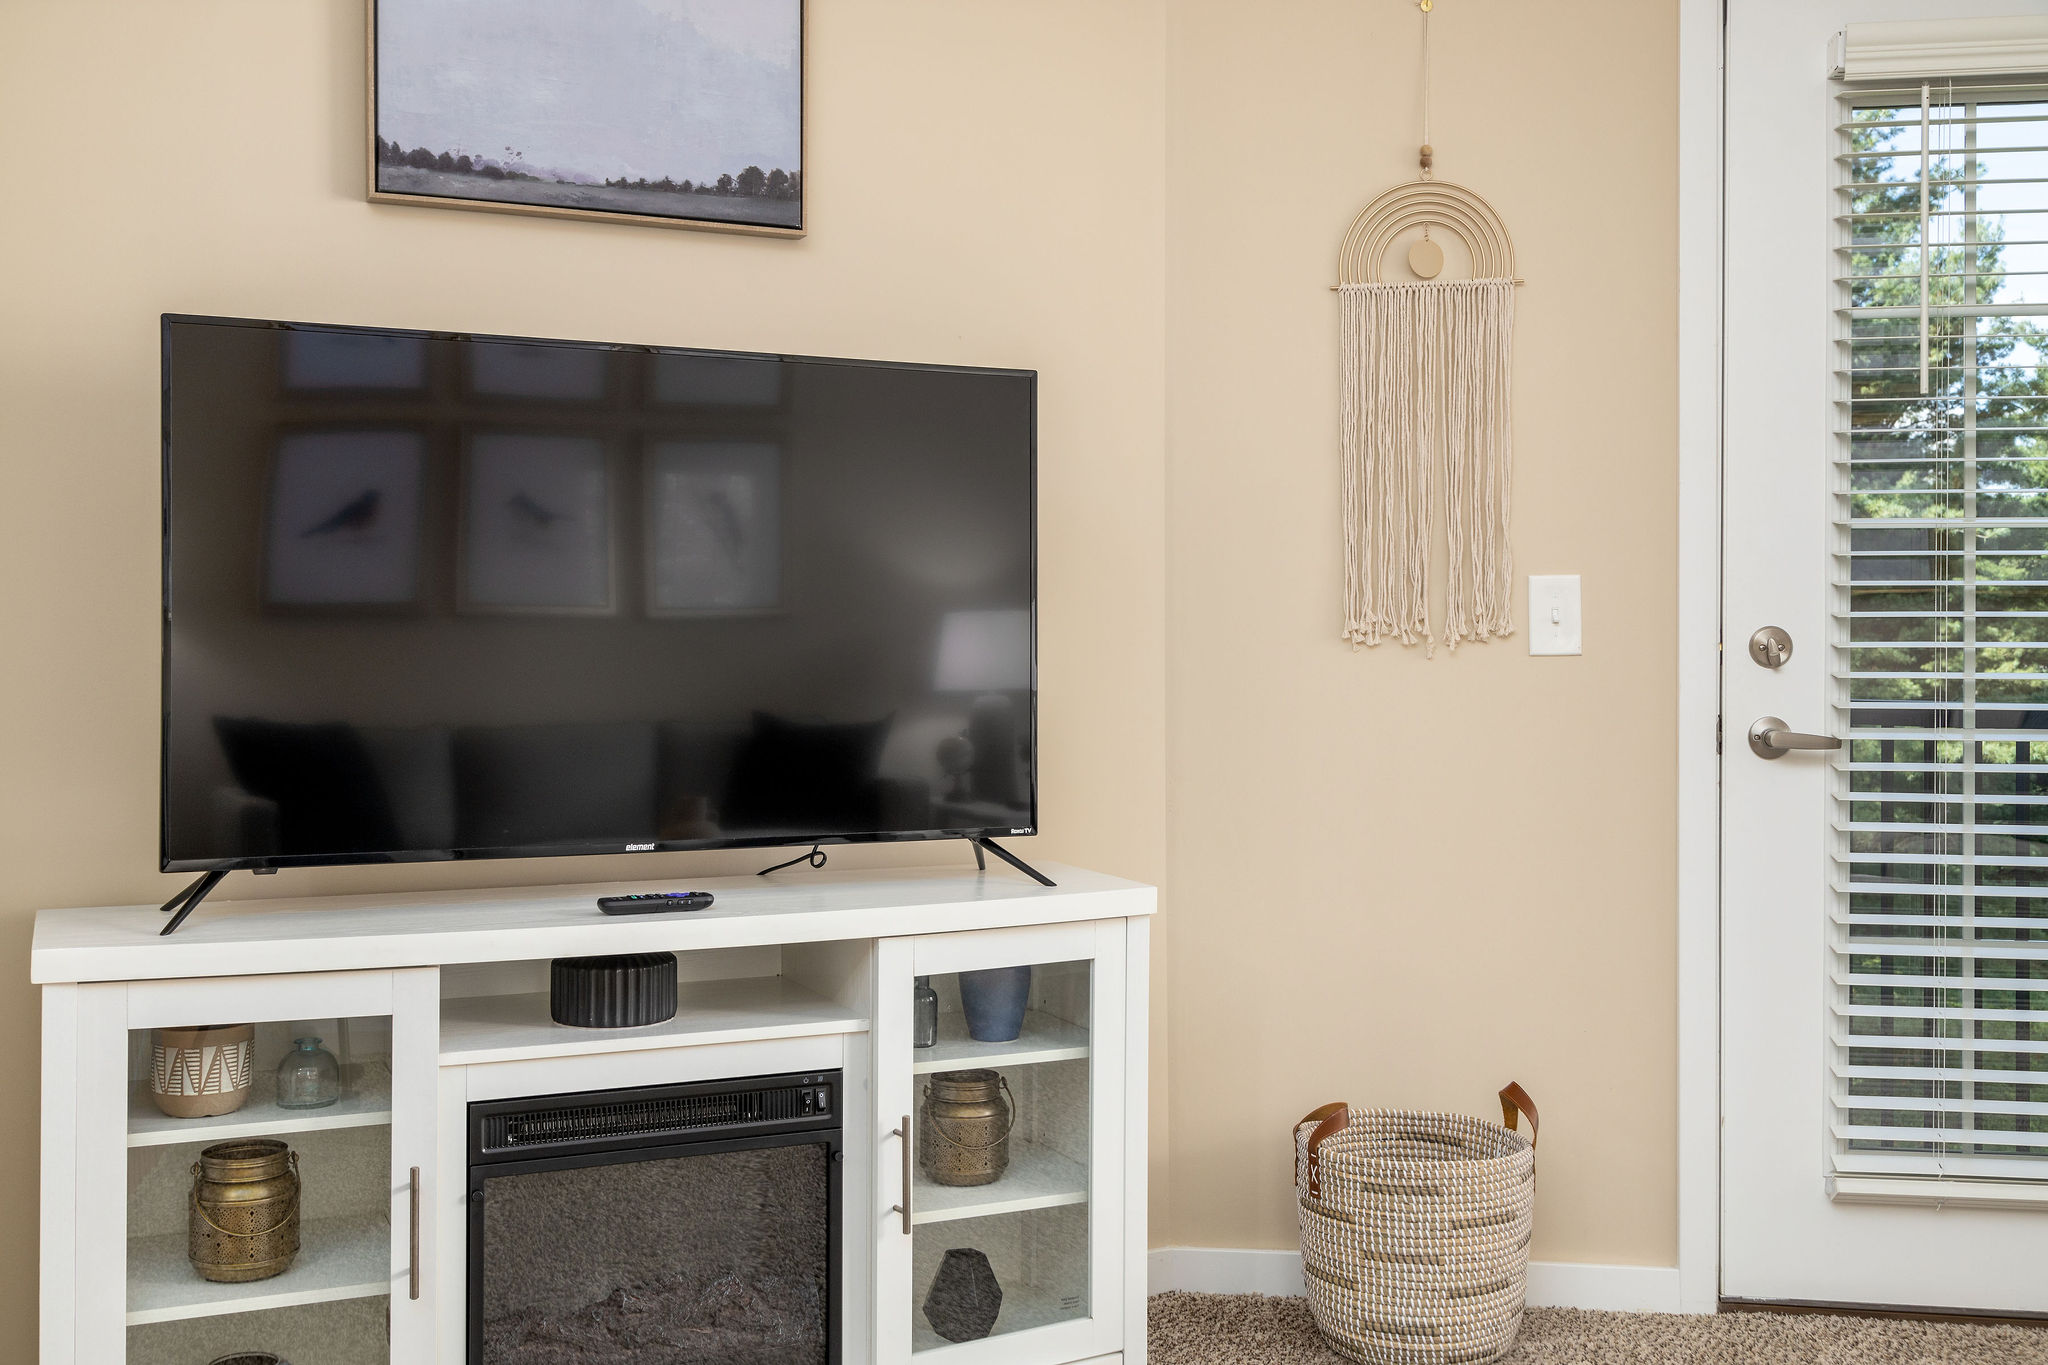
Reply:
x=502 y=924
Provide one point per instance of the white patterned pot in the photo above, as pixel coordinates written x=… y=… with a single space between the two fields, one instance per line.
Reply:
x=195 y=1073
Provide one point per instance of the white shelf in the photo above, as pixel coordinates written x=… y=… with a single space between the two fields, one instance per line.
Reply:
x=339 y=1258
x=498 y=1028
x=1025 y=1306
x=1037 y=1178
x=365 y=1105
x=1043 y=1039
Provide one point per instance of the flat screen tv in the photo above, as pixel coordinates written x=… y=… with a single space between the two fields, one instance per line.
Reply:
x=433 y=596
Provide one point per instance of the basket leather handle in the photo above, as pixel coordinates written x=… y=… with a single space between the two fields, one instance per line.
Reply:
x=1515 y=1100
x=1329 y=1120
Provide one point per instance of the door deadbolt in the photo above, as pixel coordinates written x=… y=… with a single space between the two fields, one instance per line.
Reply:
x=1770 y=646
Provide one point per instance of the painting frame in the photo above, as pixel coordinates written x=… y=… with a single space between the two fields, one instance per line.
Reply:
x=763 y=563
x=378 y=195
x=299 y=578
x=482 y=553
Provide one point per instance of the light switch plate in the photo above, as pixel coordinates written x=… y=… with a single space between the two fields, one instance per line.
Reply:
x=1554 y=613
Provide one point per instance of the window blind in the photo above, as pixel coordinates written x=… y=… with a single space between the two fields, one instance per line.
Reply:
x=1942 y=49
x=1939 y=944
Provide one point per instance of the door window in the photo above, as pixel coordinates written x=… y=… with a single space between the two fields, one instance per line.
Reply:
x=1939 y=1015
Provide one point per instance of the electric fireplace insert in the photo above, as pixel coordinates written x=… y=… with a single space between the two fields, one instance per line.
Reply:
x=662 y=1225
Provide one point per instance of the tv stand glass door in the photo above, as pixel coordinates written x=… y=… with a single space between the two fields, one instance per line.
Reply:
x=357 y=1291
x=1027 y=1265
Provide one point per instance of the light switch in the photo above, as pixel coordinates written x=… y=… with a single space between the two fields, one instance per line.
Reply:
x=1553 y=613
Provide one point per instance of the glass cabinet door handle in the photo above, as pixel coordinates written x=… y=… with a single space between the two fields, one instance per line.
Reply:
x=904 y=1207
x=415 y=1290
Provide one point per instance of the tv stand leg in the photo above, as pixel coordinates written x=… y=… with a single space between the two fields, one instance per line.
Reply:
x=980 y=863
x=816 y=858
x=1013 y=860
x=186 y=901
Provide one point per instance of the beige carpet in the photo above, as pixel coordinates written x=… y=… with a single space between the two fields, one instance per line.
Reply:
x=1247 y=1329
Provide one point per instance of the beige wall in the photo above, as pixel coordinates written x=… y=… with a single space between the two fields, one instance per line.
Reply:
x=986 y=187
x=1397 y=880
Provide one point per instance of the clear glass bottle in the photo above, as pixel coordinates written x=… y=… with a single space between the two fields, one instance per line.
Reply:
x=308 y=1077
x=925 y=1014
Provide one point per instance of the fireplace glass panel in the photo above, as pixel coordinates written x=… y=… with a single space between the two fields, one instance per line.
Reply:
x=707 y=1258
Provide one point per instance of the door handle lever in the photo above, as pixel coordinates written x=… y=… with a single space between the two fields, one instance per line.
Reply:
x=1770 y=737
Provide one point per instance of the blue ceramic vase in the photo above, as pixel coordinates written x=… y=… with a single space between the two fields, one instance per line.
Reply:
x=993 y=1000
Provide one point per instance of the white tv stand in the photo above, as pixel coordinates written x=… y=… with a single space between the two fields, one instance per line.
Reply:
x=439 y=999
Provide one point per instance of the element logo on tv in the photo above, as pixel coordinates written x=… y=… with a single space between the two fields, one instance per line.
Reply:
x=639 y=848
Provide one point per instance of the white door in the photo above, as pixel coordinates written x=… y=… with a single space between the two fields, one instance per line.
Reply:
x=1049 y=1228
x=1885 y=904
x=359 y=1288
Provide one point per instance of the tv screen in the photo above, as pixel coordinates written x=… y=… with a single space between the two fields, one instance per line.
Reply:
x=432 y=596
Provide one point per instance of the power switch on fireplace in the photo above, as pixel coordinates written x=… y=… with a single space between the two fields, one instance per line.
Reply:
x=818 y=1100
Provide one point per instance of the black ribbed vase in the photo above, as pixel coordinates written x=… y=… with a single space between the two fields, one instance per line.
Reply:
x=626 y=991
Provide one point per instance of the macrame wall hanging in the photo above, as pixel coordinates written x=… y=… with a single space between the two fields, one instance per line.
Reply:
x=1427 y=435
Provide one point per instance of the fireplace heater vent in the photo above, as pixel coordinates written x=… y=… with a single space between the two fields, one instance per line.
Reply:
x=656 y=1112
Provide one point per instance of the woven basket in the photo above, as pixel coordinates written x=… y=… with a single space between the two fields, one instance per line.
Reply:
x=1415 y=1230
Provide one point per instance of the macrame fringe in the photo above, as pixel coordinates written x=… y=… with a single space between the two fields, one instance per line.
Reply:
x=1427 y=420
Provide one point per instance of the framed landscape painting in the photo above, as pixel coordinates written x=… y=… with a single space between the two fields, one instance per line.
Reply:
x=676 y=113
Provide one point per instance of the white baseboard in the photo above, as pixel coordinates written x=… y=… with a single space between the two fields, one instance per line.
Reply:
x=1224 y=1270
x=1552 y=1284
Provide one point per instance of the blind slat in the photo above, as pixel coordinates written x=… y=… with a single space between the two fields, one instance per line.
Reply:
x=1919 y=1012
x=1938 y=1071
x=2034 y=1142
x=2017 y=985
x=1904 y=889
x=1947 y=310
x=1967 y=1046
x=1941 y=1104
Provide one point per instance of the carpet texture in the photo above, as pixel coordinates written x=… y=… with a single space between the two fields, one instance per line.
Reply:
x=1250 y=1329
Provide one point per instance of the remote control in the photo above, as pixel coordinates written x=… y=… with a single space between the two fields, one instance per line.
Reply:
x=654 y=902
